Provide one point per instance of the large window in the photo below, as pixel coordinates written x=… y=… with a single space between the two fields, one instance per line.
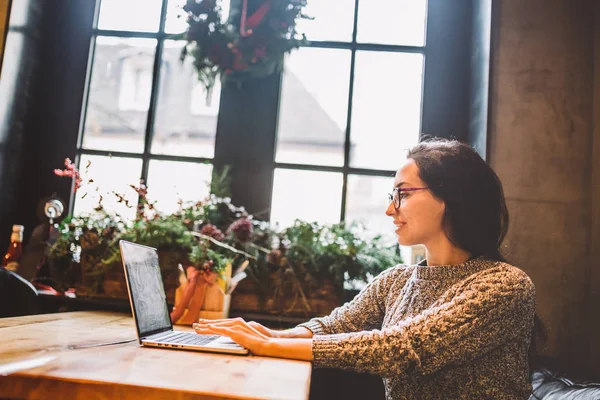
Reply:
x=349 y=107
x=145 y=116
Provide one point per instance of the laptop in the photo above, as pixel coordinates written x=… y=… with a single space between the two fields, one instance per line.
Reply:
x=150 y=310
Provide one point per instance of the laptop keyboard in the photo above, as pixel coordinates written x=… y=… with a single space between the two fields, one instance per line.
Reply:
x=186 y=338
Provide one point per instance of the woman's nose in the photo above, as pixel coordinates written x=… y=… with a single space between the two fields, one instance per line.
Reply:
x=390 y=211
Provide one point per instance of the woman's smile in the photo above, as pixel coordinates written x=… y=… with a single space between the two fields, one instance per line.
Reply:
x=399 y=225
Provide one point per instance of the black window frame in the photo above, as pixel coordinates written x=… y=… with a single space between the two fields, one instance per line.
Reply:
x=146 y=156
x=354 y=46
x=454 y=103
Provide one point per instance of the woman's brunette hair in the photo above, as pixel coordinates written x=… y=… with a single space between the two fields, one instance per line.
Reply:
x=476 y=216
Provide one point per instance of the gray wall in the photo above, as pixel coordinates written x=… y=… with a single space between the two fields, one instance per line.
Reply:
x=544 y=146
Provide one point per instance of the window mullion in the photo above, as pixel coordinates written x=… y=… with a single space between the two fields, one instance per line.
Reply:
x=154 y=94
x=86 y=97
x=349 y=116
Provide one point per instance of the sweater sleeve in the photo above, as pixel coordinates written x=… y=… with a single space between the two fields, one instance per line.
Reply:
x=365 y=311
x=488 y=311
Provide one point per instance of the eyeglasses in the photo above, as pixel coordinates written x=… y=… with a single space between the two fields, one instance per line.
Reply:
x=397 y=195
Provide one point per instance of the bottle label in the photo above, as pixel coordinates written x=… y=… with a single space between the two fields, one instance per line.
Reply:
x=16 y=237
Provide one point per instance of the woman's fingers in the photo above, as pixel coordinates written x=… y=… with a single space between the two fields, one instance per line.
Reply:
x=241 y=326
x=227 y=321
x=212 y=329
x=262 y=329
x=255 y=326
x=238 y=334
x=213 y=321
x=217 y=330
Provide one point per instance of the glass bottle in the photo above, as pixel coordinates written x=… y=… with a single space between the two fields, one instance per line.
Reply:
x=13 y=255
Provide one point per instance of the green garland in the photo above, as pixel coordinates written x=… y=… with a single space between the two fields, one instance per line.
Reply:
x=250 y=44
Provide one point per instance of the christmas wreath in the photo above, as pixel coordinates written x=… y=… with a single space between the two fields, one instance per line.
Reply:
x=249 y=44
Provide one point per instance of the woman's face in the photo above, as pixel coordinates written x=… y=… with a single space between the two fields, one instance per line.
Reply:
x=418 y=218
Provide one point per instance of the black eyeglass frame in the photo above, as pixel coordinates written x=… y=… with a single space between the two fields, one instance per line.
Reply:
x=394 y=197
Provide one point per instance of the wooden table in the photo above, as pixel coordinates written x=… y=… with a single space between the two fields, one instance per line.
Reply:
x=76 y=365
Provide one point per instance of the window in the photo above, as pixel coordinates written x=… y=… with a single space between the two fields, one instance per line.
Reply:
x=356 y=87
x=136 y=82
x=145 y=115
x=203 y=102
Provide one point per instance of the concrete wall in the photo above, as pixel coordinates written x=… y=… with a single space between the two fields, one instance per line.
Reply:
x=543 y=132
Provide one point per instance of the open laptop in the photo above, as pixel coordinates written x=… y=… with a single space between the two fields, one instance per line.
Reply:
x=150 y=310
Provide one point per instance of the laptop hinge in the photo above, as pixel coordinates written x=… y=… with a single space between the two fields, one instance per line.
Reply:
x=154 y=332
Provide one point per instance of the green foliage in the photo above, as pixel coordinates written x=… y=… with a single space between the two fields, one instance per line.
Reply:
x=162 y=233
x=170 y=233
x=224 y=48
x=220 y=184
x=85 y=241
x=89 y=245
x=313 y=251
x=340 y=251
x=204 y=257
x=218 y=211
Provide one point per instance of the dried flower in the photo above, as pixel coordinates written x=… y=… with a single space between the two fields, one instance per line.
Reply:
x=241 y=229
x=207 y=266
x=212 y=231
x=141 y=190
x=274 y=257
x=89 y=240
x=121 y=199
x=109 y=232
x=71 y=172
x=143 y=203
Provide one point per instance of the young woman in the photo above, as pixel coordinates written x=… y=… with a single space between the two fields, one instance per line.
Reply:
x=456 y=326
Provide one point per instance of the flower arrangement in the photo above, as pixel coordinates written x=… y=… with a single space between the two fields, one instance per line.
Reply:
x=80 y=250
x=292 y=263
x=87 y=245
x=245 y=45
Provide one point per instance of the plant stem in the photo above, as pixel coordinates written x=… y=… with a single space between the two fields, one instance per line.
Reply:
x=223 y=245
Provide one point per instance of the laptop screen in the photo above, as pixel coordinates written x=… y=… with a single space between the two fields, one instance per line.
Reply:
x=146 y=289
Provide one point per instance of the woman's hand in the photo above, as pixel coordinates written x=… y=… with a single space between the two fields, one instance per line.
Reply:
x=250 y=335
x=255 y=338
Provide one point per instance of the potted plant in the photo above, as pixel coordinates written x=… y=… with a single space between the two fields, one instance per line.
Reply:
x=305 y=270
x=298 y=270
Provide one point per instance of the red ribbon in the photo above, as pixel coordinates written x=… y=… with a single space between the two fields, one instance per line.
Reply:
x=248 y=23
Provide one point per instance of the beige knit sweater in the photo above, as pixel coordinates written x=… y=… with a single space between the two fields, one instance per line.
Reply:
x=436 y=332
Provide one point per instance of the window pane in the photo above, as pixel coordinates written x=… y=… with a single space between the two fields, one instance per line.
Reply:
x=172 y=181
x=386 y=108
x=130 y=15
x=306 y=195
x=400 y=22
x=176 y=17
x=366 y=203
x=119 y=94
x=186 y=119
x=333 y=20
x=314 y=104
x=109 y=175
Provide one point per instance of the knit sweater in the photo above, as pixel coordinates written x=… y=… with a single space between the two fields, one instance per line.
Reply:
x=436 y=332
